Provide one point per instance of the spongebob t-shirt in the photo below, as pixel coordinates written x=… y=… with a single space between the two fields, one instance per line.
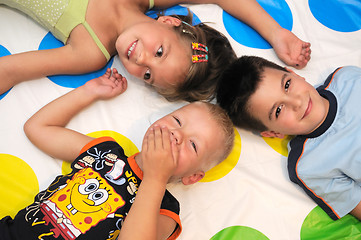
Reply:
x=89 y=203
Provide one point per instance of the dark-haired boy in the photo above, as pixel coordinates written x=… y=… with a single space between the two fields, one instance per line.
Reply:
x=325 y=156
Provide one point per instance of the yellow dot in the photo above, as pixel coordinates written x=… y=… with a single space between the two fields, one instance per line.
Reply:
x=18 y=185
x=278 y=144
x=228 y=164
x=128 y=146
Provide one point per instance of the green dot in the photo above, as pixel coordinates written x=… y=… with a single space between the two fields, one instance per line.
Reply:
x=318 y=225
x=239 y=232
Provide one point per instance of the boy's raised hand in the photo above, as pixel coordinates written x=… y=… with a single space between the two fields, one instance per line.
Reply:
x=159 y=154
x=159 y=161
x=108 y=85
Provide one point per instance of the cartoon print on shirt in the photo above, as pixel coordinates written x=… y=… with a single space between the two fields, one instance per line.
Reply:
x=113 y=235
x=86 y=200
x=86 y=161
x=114 y=175
x=132 y=188
x=73 y=205
x=100 y=158
x=33 y=209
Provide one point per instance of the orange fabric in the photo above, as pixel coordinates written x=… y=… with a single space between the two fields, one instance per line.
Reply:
x=135 y=167
x=176 y=218
x=304 y=184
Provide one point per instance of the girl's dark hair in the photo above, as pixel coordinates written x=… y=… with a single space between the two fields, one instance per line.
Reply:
x=202 y=77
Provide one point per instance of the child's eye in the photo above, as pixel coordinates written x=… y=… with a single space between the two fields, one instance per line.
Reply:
x=287 y=85
x=194 y=146
x=147 y=75
x=278 y=111
x=177 y=120
x=159 y=52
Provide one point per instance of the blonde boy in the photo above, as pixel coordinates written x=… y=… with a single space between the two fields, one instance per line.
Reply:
x=109 y=195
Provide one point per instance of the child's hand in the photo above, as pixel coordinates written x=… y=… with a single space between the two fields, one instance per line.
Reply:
x=159 y=154
x=107 y=86
x=290 y=49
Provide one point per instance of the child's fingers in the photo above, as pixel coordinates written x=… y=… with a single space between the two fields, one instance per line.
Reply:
x=175 y=152
x=107 y=73
x=158 y=138
x=124 y=84
x=118 y=87
x=166 y=138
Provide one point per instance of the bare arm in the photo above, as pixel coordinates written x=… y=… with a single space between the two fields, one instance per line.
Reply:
x=158 y=165
x=288 y=47
x=74 y=58
x=357 y=211
x=46 y=128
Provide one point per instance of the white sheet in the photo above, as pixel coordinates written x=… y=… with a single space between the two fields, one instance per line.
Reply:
x=253 y=193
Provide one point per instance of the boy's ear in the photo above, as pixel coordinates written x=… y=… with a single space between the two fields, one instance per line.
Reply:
x=272 y=134
x=196 y=177
x=169 y=20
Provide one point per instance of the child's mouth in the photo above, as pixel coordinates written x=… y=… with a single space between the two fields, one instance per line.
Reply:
x=131 y=48
x=308 y=109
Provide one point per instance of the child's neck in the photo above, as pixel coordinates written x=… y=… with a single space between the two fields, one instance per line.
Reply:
x=327 y=107
x=128 y=15
x=326 y=104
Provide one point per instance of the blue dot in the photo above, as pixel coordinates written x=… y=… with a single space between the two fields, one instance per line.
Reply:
x=339 y=15
x=70 y=81
x=247 y=36
x=4 y=52
x=175 y=10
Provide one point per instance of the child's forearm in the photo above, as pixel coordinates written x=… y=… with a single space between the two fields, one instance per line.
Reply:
x=357 y=211
x=143 y=220
x=248 y=11
x=251 y=13
x=60 y=111
x=46 y=128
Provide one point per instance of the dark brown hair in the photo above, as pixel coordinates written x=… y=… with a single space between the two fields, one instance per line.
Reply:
x=202 y=77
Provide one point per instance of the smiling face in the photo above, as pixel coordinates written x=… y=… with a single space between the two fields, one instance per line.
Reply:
x=287 y=105
x=199 y=139
x=154 y=52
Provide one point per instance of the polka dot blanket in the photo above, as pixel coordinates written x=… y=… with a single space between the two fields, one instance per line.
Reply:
x=249 y=195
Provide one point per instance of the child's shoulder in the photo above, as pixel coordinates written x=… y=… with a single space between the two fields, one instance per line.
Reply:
x=337 y=80
x=348 y=72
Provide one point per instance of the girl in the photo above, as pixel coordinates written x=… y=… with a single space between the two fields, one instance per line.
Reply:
x=158 y=51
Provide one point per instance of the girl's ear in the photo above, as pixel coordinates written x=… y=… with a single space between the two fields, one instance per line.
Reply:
x=272 y=134
x=169 y=20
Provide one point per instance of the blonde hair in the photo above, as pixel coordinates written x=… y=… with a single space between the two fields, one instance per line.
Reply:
x=224 y=122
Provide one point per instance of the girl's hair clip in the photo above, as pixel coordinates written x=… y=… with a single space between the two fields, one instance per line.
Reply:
x=199 y=47
x=187 y=24
x=200 y=57
x=187 y=32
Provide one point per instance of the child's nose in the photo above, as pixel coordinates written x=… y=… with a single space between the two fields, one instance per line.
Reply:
x=177 y=136
x=296 y=103
x=142 y=59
